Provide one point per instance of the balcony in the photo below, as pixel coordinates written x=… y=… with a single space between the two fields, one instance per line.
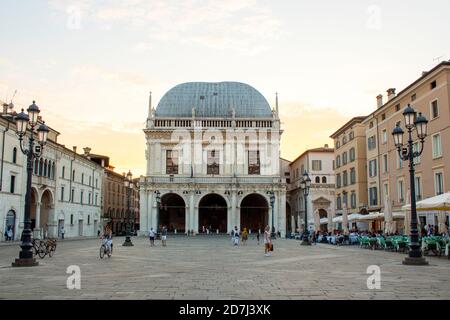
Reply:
x=212 y=180
x=43 y=181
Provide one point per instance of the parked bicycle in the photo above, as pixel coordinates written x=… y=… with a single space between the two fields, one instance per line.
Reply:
x=38 y=248
x=50 y=247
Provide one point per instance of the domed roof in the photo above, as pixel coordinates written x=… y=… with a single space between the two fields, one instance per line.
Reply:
x=215 y=100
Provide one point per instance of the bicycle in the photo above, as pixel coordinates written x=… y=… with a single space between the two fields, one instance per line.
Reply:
x=38 y=248
x=105 y=249
x=50 y=247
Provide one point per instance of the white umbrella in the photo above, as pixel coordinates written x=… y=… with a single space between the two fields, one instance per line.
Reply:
x=442 y=217
x=388 y=217
x=316 y=220
x=345 y=219
x=437 y=203
x=330 y=222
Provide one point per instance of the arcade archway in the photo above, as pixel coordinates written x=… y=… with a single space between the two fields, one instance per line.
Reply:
x=172 y=213
x=254 y=212
x=212 y=213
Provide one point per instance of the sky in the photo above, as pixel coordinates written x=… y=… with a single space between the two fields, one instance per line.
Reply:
x=91 y=64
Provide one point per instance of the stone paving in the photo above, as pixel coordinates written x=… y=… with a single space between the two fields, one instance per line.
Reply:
x=209 y=267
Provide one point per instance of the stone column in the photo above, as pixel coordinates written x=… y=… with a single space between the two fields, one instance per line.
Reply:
x=282 y=214
x=37 y=228
x=190 y=216
x=153 y=209
x=143 y=216
x=231 y=214
x=192 y=211
x=195 y=222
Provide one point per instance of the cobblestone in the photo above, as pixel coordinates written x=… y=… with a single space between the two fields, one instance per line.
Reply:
x=211 y=268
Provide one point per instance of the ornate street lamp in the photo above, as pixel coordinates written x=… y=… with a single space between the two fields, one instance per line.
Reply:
x=418 y=122
x=158 y=204
x=128 y=182
x=272 y=204
x=305 y=184
x=23 y=122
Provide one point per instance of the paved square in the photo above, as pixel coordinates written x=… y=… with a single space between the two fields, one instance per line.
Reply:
x=209 y=267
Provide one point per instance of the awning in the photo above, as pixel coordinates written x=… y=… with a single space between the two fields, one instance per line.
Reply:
x=437 y=203
x=337 y=219
x=323 y=220
x=354 y=216
x=370 y=216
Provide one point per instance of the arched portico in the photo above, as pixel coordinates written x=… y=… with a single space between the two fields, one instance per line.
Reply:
x=254 y=212
x=212 y=213
x=172 y=212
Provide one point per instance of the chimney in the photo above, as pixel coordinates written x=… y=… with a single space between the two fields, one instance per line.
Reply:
x=379 y=100
x=74 y=148
x=87 y=151
x=391 y=93
x=326 y=145
x=424 y=73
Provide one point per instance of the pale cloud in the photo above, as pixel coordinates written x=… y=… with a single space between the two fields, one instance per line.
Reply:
x=94 y=71
x=231 y=25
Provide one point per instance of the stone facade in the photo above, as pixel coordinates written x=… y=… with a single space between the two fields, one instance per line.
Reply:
x=318 y=163
x=212 y=172
x=66 y=187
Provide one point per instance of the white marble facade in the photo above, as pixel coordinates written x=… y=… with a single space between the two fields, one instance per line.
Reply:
x=213 y=156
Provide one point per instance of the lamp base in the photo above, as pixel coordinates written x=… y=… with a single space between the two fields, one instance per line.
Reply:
x=415 y=261
x=27 y=262
x=128 y=242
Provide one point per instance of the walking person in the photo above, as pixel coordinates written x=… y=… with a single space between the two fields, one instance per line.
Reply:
x=235 y=237
x=257 y=236
x=151 y=236
x=244 y=237
x=10 y=233
x=62 y=232
x=267 y=242
x=164 y=236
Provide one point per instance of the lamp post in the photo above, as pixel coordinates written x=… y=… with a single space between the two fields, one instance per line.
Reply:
x=418 y=122
x=158 y=204
x=272 y=202
x=24 y=121
x=128 y=182
x=305 y=184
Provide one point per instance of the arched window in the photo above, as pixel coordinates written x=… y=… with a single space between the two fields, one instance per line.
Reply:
x=53 y=170
x=45 y=168
x=324 y=179
x=49 y=169
x=36 y=166
x=317 y=179
x=41 y=163
x=14 y=158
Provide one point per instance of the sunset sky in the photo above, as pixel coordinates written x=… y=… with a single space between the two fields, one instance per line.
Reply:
x=90 y=64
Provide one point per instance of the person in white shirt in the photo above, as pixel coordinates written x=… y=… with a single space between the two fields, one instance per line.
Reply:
x=10 y=234
x=152 y=237
x=267 y=242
